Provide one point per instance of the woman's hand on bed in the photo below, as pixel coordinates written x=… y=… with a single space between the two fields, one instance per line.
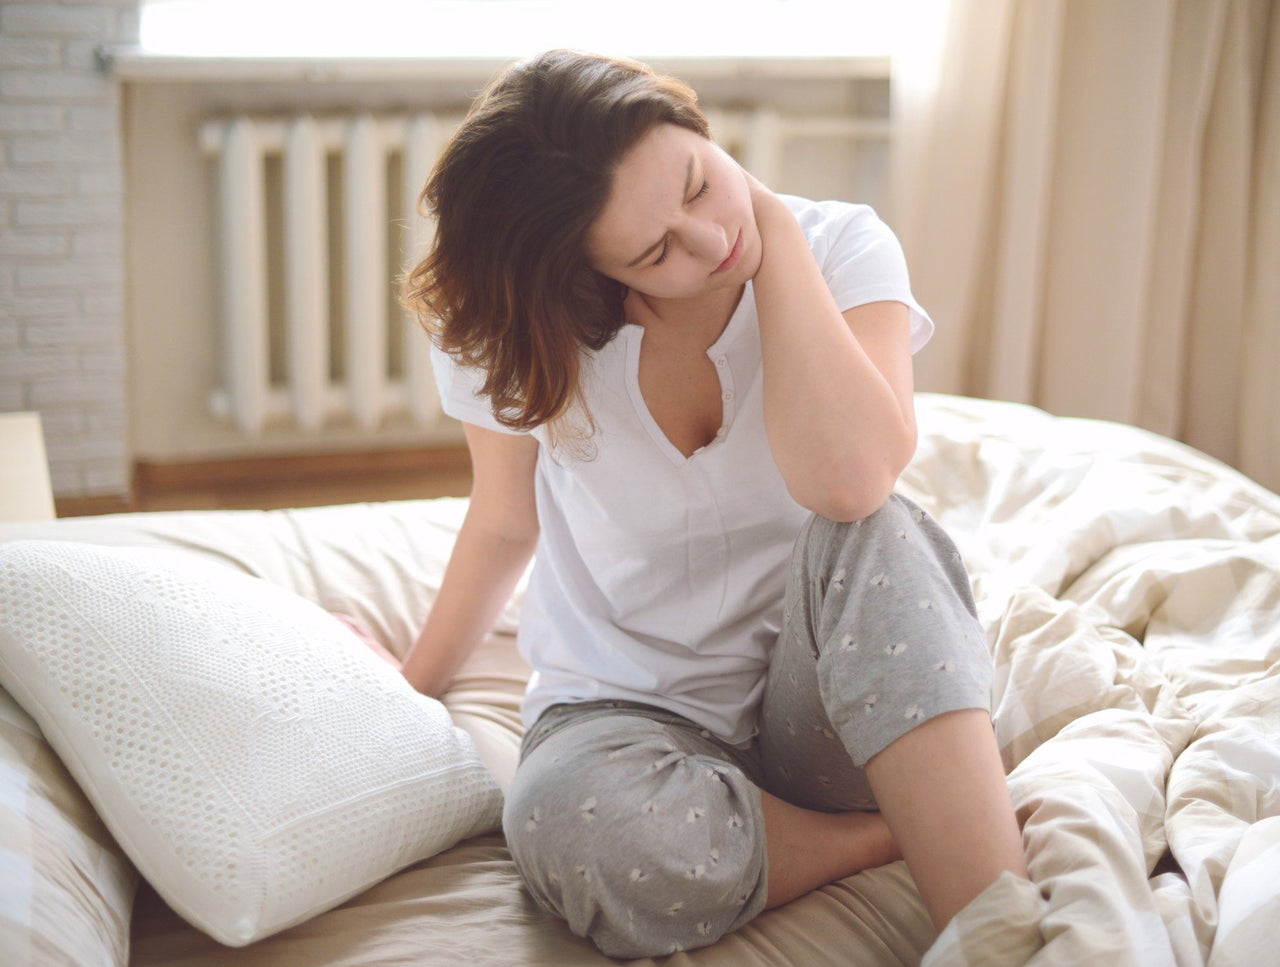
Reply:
x=366 y=636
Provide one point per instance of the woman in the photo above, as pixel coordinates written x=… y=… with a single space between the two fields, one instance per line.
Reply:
x=756 y=669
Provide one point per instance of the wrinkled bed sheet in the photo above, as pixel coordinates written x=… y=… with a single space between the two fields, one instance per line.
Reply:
x=1130 y=588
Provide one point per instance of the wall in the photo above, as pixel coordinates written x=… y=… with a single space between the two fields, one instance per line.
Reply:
x=172 y=225
x=108 y=301
x=62 y=346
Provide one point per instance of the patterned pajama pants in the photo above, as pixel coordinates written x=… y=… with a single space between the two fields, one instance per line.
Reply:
x=645 y=832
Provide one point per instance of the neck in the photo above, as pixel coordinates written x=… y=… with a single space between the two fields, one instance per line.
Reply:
x=698 y=321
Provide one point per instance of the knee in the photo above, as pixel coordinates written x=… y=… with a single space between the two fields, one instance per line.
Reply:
x=635 y=859
x=534 y=821
x=894 y=517
x=871 y=555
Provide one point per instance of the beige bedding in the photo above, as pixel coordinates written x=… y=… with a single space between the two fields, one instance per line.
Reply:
x=1131 y=591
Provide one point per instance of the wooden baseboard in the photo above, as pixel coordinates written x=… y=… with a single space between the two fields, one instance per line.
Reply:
x=94 y=506
x=264 y=483
x=153 y=477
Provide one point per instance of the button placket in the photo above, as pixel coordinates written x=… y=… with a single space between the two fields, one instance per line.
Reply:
x=727 y=395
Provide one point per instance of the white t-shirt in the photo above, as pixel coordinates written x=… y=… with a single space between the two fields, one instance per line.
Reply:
x=660 y=578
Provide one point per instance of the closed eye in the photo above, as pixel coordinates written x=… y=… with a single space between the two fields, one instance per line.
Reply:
x=662 y=257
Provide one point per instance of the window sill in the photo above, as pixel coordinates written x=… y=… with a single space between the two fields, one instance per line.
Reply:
x=136 y=64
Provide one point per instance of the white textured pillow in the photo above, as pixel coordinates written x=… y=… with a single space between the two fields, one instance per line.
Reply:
x=254 y=760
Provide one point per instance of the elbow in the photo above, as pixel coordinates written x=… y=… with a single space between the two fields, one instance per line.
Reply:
x=847 y=501
x=857 y=489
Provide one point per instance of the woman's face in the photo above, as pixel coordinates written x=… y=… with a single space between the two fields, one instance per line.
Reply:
x=678 y=223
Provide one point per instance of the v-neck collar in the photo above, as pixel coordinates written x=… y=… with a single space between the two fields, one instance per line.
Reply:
x=634 y=335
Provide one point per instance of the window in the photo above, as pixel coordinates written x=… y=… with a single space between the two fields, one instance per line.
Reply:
x=512 y=28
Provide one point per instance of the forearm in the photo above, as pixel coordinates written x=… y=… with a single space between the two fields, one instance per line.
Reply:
x=483 y=571
x=839 y=431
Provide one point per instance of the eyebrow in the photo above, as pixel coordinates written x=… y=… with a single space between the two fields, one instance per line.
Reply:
x=688 y=180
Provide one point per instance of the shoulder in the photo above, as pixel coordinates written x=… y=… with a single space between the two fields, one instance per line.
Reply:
x=461 y=389
x=833 y=219
x=844 y=236
x=859 y=257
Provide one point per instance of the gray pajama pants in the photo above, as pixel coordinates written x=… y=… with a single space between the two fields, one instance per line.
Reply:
x=645 y=832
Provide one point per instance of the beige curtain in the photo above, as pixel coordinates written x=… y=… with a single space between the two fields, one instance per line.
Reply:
x=1088 y=192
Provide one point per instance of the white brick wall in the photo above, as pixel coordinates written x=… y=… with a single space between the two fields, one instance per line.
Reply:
x=62 y=344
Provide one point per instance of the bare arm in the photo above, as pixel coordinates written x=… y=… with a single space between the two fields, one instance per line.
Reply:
x=837 y=387
x=494 y=546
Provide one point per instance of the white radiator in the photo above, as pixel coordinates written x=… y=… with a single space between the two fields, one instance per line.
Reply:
x=280 y=193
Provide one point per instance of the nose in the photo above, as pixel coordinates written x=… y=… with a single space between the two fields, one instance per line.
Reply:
x=707 y=239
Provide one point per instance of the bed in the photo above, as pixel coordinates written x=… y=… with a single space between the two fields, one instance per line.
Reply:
x=1130 y=590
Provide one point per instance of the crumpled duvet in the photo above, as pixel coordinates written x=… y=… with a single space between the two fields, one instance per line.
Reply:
x=1131 y=591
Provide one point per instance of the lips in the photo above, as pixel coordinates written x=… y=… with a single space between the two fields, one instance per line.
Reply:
x=735 y=253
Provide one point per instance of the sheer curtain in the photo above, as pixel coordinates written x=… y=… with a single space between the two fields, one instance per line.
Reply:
x=1089 y=196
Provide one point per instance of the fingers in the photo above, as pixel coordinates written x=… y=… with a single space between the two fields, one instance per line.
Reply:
x=757 y=187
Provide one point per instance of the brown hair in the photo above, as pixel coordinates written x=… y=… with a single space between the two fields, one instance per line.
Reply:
x=506 y=286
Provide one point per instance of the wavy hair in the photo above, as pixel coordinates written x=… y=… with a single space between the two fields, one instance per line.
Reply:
x=506 y=286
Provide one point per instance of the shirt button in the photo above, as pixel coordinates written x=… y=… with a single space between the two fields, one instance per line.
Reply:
x=722 y=361
x=727 y=396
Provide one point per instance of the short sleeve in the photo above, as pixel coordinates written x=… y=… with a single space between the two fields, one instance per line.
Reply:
x=460 y=395
x=860 y=258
